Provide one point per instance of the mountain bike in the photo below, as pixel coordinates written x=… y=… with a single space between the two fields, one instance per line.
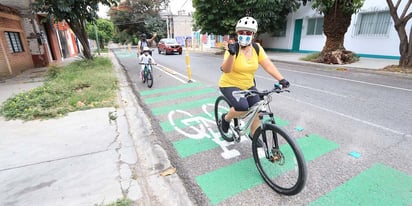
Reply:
x=147 y=76
x=281 y=163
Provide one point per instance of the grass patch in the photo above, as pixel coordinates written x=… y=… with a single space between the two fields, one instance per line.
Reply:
x=310 y=57
x=81 y=85
x=398 y=69
x=314 y=56
x=121 y=202
x=104 y=50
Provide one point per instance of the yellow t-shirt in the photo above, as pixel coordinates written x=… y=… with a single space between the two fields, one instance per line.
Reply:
x=243 y=70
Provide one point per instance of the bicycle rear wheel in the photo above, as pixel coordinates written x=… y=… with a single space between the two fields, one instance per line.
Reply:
x=149 y=79
x=280 y=162
x=222 y=106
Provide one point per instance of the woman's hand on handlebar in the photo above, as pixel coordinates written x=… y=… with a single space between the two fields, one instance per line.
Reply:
x=285 y=83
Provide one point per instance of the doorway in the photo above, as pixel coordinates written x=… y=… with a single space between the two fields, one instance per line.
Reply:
x=297 y=35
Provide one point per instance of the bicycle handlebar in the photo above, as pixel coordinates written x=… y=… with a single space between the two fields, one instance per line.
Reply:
x=246 y=93
x=147 y=63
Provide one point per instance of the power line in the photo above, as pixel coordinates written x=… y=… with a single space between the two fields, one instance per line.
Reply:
x=183 y=5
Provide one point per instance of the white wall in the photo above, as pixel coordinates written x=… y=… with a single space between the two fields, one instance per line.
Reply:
x=373 y=46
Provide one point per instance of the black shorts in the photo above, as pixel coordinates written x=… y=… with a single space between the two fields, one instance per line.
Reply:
x=244 y=103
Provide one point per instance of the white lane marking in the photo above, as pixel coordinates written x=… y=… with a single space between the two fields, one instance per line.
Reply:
x=320 y=90
x=173 y=73
x=352 y=118
x=351 y=80
x=310 y=88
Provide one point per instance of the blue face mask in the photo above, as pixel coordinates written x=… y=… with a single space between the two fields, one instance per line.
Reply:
x=245 y=40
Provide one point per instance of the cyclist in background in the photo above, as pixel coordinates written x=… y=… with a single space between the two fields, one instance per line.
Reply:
x=143 y=42
x=241 y=60
x=145 y=58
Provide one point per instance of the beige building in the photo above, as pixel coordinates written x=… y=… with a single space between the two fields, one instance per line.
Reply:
x=181 y=26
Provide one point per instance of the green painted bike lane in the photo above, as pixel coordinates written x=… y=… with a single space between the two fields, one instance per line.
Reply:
x=228 y=181
x=378 y=185
x=223 y=183
x=124 y=53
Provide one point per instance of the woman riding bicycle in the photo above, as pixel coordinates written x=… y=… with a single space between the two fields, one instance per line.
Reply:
x=241 y=60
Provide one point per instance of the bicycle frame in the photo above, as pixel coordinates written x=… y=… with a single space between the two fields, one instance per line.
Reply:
x=146 y=68
x=260 y=106
x=261 y=109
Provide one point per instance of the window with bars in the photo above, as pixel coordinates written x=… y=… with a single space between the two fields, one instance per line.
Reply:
x=14 y=42
x=374 y=23
x=315 y=26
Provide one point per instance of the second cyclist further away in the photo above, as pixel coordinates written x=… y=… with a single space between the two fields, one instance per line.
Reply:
x=145 y=58
x=241 y=60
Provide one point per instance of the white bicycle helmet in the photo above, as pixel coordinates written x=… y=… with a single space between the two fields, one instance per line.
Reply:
x=146 y=49
x=248 y=24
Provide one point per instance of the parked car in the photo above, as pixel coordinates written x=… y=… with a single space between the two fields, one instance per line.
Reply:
x=169 y=46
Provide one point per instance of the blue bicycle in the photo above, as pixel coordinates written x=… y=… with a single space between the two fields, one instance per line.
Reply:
x=147 y=76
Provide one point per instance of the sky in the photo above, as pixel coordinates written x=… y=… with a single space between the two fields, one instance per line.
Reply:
x=175 y=6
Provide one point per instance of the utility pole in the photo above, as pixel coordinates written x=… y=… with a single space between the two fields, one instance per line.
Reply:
x=97 y=39
x=167 y=25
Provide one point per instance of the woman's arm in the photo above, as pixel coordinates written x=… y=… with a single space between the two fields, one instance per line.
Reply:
x=151 y=39
x=138 y=47
x=270 y=68
x=152 y=60
x=228 y=61
x=227 y=64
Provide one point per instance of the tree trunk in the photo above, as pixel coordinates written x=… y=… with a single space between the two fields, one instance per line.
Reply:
x=79 y=30
x=101 y=44
x=405 y=46
x=335 y=25
x=404 y=49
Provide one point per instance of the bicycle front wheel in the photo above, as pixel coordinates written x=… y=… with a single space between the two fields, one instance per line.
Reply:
x=149 y=79
x=142 y=76
x=280 y=162
x=222 y=106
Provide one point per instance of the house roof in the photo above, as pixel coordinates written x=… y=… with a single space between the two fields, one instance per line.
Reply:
x=9 y=10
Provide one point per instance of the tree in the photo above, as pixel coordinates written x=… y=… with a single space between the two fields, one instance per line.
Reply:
x=400 y=20
x=105 y=31
x=76 y=13
x=158 y=25
x=220 y=16
x=135 y=17
x=337 y=18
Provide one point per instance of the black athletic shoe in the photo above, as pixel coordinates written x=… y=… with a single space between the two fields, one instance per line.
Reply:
x=259 y=143
x=225 y=124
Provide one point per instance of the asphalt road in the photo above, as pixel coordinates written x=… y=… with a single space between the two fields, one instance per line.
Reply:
x=358 y=124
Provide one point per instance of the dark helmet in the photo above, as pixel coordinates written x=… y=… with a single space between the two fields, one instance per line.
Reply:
x=143 y=36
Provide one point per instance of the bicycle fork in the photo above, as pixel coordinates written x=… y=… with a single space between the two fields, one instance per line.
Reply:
x=273 y=154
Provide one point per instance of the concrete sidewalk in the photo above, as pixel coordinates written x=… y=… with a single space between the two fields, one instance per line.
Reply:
x=363 y=63
x=295 y=58
x=84 y=158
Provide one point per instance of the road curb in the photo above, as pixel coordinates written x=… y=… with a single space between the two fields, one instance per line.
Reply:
x=152 y=159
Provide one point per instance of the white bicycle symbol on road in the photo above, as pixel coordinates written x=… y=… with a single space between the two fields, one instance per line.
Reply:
x=198 y=127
